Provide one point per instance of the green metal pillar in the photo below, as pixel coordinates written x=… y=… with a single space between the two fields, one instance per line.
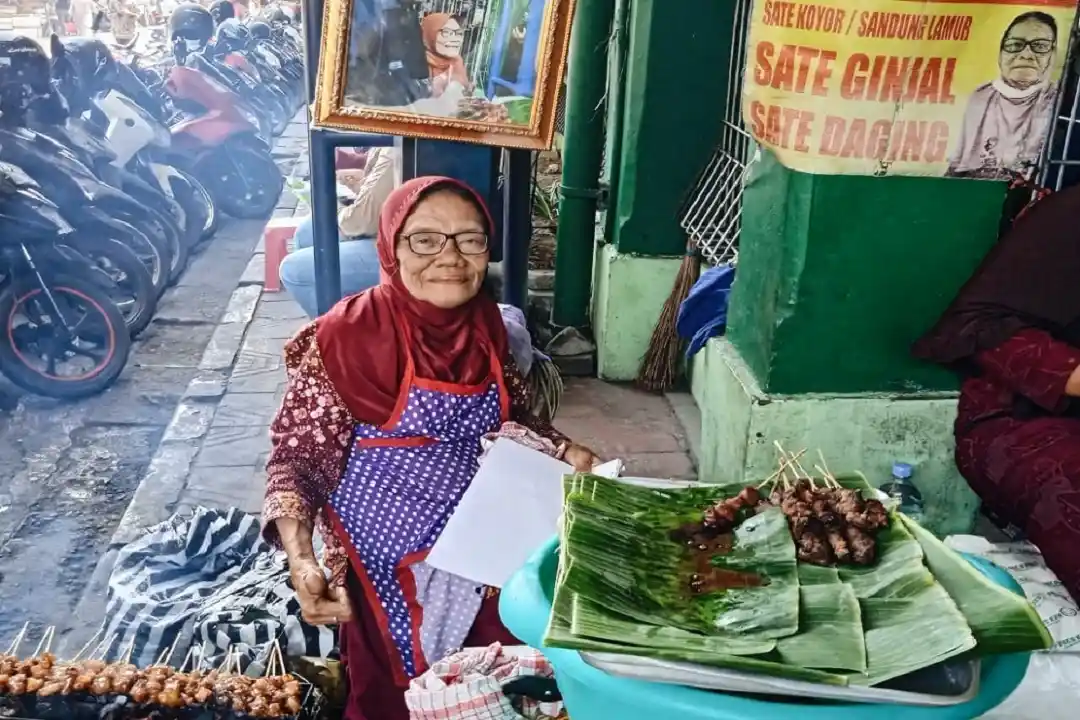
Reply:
x=583 y=147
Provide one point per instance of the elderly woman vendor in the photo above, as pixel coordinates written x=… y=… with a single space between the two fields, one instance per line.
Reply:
x=379 y=436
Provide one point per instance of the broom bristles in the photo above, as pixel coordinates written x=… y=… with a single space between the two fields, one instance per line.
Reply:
x=660 y=365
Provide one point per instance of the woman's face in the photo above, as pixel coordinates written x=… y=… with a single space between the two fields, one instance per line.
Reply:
x=448 y=279
x=1026 y=53
x=449 y=40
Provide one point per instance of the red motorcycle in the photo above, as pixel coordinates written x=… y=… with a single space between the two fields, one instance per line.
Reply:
x=219 y=142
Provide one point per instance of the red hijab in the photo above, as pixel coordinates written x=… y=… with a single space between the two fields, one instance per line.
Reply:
x=430 y=27
x=363 y=339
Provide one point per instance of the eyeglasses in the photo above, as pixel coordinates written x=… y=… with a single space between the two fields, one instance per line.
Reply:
x=1015 y=46
x=447 y=34
x=432 y=243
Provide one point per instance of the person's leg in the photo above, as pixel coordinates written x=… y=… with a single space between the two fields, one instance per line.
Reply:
x=359 y=271
x=359 y=265
x=1031 y=477
x=305 y=236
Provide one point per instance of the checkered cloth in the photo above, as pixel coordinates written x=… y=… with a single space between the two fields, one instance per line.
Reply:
x=468 y=686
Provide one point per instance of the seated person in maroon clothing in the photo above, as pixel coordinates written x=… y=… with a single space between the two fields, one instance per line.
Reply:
x=378 y=436
x=1014 y=335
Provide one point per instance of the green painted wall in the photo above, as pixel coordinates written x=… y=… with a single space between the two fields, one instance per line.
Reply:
x=673 y=104
x=839 y=274
x=629 y=293
x=858 y=432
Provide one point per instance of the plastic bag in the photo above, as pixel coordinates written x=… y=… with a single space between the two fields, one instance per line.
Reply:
x=1024 y=562
x=1050 y=689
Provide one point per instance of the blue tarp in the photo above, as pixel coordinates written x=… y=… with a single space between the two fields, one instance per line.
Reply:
x=703 y=314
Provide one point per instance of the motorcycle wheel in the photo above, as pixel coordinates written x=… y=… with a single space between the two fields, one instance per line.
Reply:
x=249 y=183
x=33 y=343
x=178 y=251
x=281 y=115
x=152 y=248
x=121 y=273
x=208 y=209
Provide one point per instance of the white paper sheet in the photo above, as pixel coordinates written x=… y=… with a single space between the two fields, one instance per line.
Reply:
x=511 y=508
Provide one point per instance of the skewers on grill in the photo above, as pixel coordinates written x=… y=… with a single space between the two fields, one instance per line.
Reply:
x=42 y=675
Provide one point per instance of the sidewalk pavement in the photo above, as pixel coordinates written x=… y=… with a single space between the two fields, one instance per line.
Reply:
x=214 y=451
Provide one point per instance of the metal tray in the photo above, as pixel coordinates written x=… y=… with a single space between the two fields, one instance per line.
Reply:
x=952 y=682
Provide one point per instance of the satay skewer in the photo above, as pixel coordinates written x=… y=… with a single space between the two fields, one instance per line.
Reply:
x=13 y=649
x=825 y=468
x=172 y=648
x=190 y=655
x=86 y=647
x=280 y=657
x=783 y=466
x=105 y=648
x=126 y=659
x=46 y=641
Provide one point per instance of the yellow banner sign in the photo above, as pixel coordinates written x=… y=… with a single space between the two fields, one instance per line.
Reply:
x=957 y=88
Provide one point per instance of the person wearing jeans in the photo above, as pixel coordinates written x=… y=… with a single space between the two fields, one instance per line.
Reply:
x=357 y=227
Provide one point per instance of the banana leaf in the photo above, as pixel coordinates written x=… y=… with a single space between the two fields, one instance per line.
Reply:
x=1001 y=620
x=621 y=555
x=591 y=620
x=559 y=634
x=860 y=626
x=830 y=633
x=907 y=634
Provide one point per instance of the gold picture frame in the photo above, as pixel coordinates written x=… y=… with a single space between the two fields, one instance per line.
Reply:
x=446 y=116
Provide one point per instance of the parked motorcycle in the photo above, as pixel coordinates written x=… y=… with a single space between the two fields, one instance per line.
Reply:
x=63 y=335
x=114 y=168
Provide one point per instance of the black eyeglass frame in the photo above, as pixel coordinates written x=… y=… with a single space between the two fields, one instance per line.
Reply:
x=447 y=237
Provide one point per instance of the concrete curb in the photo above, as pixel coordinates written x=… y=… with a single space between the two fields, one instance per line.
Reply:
x=159 y=490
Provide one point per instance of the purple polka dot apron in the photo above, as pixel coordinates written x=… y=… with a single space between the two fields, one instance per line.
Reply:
x=402 y=482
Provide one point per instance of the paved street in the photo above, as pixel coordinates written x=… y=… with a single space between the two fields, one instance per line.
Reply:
x=69 y=470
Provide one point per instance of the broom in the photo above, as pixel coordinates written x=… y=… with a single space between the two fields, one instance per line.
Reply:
x=660 y=365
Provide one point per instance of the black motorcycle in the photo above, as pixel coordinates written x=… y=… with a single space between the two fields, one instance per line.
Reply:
x=63 y=335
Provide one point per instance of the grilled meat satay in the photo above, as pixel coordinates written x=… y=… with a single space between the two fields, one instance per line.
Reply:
x=863 y=546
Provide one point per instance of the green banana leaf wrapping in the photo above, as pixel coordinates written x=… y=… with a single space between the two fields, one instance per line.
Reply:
x=622 y=588
x=1000 y=620
x=622 y=557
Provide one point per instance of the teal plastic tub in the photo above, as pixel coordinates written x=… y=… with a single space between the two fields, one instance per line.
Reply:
x=591 y=694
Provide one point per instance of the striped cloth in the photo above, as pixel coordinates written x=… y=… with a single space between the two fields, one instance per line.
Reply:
x=201 y=582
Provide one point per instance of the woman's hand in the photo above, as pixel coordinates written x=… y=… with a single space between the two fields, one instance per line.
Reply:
x=320 y=604
x=582 y=458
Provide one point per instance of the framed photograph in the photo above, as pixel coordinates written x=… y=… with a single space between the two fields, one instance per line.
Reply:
x=483 y=71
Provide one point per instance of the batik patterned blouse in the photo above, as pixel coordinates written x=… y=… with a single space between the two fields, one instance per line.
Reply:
x=311 y=437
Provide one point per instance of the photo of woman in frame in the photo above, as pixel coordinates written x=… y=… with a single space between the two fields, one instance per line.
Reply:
x=458 y=59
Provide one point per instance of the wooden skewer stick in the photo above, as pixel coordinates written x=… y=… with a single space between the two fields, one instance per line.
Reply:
x=126 y=657
x=13 y=649
x=224 y=667
x=783 y=466
x=86 y=646
x=825 y=467
x=172 y=648
x=280 y=657
x=41 y=642
x=189 y=656
x=109 y=646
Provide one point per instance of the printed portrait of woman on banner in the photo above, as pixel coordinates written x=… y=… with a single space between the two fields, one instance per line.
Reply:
x=1007 y=119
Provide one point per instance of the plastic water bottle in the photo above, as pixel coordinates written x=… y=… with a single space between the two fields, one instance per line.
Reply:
x=902 y=489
